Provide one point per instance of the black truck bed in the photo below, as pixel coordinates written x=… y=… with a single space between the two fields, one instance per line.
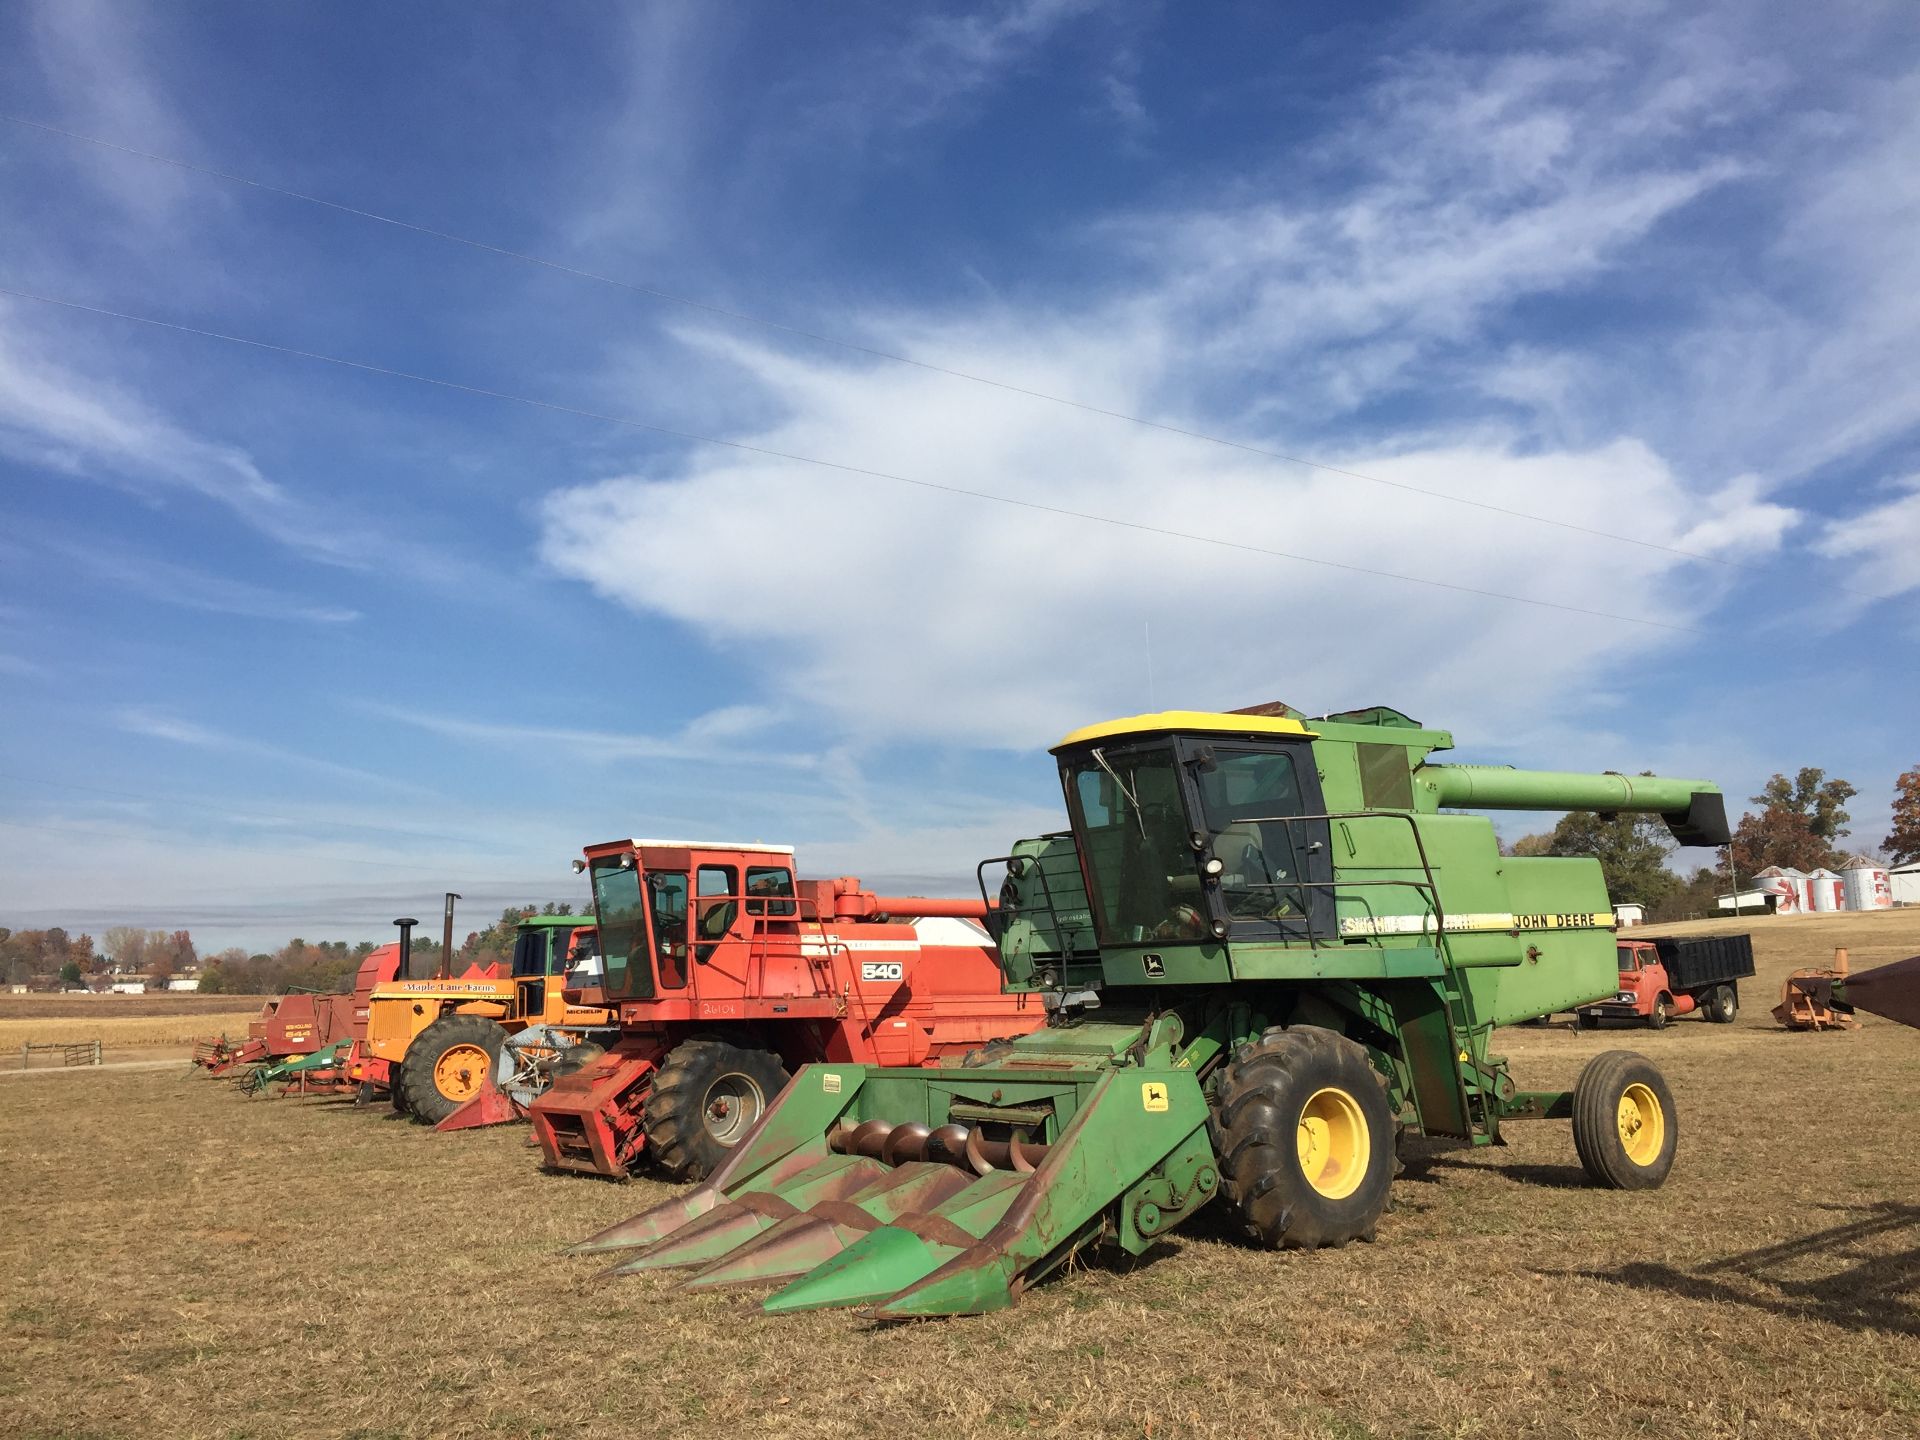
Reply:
x=1698 y=961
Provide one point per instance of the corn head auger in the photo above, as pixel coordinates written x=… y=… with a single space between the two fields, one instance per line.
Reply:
x=1267 y=949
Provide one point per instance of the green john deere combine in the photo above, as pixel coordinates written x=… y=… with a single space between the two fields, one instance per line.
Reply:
x=1269 y=948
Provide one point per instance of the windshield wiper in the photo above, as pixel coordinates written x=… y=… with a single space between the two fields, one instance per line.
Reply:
x=1139 y=816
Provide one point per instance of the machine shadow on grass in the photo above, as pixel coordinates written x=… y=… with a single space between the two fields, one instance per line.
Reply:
x=1832 y=1274
x=1421 y=1156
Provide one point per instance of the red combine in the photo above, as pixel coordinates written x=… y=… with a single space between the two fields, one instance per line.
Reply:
x=289 y=1026
x=728 y=975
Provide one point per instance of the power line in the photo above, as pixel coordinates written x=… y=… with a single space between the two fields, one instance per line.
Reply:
x=859 y=470
x=874 y=352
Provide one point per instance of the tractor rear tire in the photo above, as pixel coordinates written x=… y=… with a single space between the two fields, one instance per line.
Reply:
x=1305 y=1138
x=1624 y=1123
x=1722 y=1005
x=447 y=1064
x=706 y=1096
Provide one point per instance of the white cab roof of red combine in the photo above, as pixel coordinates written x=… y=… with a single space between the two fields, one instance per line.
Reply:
x=750 y=845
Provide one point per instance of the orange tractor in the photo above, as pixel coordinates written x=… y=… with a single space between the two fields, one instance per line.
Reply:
x=444 y=1047
x=726 y=974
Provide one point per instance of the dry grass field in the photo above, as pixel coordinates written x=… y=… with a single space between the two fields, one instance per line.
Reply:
x=180 y=1261
x=86 y=1007
x=128 y=1026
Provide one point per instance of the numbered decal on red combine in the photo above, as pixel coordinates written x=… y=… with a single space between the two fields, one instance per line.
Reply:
x=883 y=971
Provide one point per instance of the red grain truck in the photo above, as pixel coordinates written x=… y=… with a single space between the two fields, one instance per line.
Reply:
x=1662 y=976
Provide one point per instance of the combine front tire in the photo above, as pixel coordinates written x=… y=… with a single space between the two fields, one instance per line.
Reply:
x=706 y=1095
x=447 y=1064
x=1624 y=1123
x=1305 y=1139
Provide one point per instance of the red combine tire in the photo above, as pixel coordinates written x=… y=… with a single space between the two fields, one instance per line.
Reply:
x=447 y=1064
x=706 y=1096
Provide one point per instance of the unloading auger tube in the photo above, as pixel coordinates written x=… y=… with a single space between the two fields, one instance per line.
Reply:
x=1269 y=947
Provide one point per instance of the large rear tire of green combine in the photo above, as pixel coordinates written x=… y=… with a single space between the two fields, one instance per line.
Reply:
x=447 y=1064
x=1624 y=1123
x=706 y=1096
x=1305 y=1139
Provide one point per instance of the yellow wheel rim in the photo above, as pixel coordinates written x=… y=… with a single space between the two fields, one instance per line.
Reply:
x=460 y=1071
x=1334 y=1143
x=1643 y=1124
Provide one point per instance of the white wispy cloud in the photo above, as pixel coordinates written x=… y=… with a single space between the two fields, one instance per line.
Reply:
x=1880 y=547
x=96 y=56
x=1466 y=187
x=715 y=735
x=170 y=583
x=64 y=422
x=160 y=725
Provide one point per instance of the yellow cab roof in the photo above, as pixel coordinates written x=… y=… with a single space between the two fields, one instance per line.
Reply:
x=1161 y=721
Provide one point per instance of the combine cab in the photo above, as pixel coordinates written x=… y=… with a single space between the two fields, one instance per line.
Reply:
x=727 y=975
x=1267 y=948
x=435 y=1045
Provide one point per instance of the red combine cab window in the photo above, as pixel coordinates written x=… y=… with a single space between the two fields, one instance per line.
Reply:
x=718 y=906
x=667 y=900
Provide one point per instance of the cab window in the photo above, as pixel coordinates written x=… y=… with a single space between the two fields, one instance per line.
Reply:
x=1247 y=798
x=766 y=881
x=530 y=952
x=719 y=904
x=617 y=908
x=667 y=902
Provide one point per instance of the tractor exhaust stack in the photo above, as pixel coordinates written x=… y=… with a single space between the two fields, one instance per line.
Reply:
x=406 y=947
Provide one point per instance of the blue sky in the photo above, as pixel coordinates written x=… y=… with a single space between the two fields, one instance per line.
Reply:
x=290 y=647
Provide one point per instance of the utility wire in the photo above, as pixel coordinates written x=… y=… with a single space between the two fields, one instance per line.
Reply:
x=888 y=476
x=874 y=352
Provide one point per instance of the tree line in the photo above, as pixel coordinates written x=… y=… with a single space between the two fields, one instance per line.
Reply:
x=1798 y=825
x=329 y=966
x=31 y=957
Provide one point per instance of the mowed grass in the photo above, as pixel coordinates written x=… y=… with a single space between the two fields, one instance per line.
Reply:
x=178 y=1260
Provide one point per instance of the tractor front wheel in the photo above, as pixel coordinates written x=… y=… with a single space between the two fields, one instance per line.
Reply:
x=706 y=1096
x=1305 y=1139
x=1624 y=1123
x=447 y=1064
